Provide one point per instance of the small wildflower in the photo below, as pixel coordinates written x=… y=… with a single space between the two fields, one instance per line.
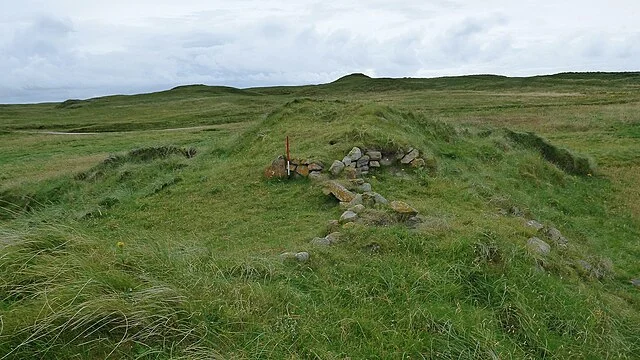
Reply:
x=120 y=244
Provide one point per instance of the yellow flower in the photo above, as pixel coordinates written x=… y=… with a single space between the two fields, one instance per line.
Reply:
x=120 y=244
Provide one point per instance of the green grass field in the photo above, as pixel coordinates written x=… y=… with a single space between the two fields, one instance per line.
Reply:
x=107 y=253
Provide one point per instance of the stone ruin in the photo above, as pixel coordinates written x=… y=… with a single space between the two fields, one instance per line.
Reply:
x=354 y=165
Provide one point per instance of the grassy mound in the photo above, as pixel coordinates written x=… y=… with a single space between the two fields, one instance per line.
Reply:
x=159 y=254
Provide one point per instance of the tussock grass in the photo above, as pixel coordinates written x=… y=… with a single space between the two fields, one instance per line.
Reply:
x=162 y=255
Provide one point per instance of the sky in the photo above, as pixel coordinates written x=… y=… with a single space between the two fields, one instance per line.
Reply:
x=53 y=50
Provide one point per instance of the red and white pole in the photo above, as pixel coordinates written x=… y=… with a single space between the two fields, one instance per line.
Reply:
x=288 y=159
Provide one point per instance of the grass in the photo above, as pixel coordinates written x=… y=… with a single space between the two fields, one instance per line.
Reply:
x=154 y=254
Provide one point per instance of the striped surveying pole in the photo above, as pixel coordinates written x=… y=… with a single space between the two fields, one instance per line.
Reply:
x=288 y=159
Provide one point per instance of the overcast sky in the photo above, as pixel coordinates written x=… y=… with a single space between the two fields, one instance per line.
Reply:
x=52 y=50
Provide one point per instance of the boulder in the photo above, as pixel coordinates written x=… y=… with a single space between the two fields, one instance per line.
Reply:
x=355 y=154
x=316 y=166
x=534 y=224
x=334 y=237
x=339 y=191
x=410 y=156
x=374 y=164
x=403 y=208
x=357 y=200
x=538 y=247
x=336 y=168
x=417 y=163
x=635 y=282
x=302 y=170
x=379 y=199
x=321 y=241
x=555 y=235
x=357 y=208
x=333 y=225
x=366 y=187
x=348 y=216
x=277 y=169
x=302 y=256
x=350 y=172
x=316 y=175
x=363 y=161
x=374 y=155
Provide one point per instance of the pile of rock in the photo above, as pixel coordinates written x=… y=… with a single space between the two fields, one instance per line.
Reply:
x=363 y=206
x=357 y=162
x=297 y=168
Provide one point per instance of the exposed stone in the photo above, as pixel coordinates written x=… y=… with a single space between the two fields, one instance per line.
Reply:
x=379 y=199
x=350 y=172
x=357 y=181
x=374 y=155
x=355 y=154
x=340 y=192
x=277 y=169
x=364 y=169
x=292 y=167
x=414 y=153
x=399 y=154
x=538 y=247
x=635 y=282
x=363 y=161
x=352 y=165
x=515 y=211
x=402 y=208
x=302 y=256
x=414 y=221
x=357 y=208
x=417 y=163
x=357 y=200
x=316 y=166
x=374 y=164
x=333 y=225
x=316 y=175
x=597 y=268
x=334 y=237
x=346 y=161
x=556 y=236
x=302 y=170
x=534 y=224
x=368 y=198
x=295 y=162
x=366 y=187
x=321 y=241
x=348 y=216
x=336 y=168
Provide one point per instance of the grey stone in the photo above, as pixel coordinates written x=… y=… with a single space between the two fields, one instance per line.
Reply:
x=355 y=154
x=366 y=187
x=348 y=216
x=346 y=161
x=414 y=153
x=315 y=175
x=534 y=224
x=379 y=199
x=321 y=241
x=338 y=190
x=357 y=208
x=635 y=282
x=537 y=246
x=302 y=256
x=363 y=161
x=336 y=168
x=374 y=155
x=374 y=164
x=357 y=181
x=399 y=155
x=556 y=236
x=357 y=200
x=333 y=225
x=364 y=169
